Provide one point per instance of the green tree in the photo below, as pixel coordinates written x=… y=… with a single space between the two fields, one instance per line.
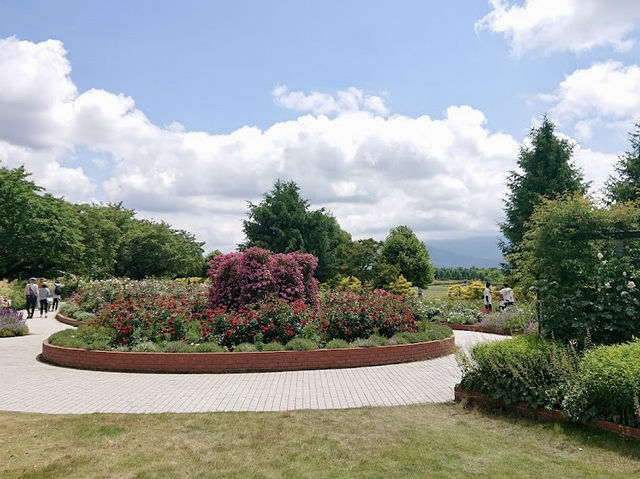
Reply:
x=546 y=172
x=208 y=257
x=39 y=233
x=357 y=258
x=154 y=249
x=625 y=186
x=404 y=249
x=283 y=223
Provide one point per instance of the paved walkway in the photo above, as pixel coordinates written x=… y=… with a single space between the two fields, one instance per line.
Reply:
x=31 y=386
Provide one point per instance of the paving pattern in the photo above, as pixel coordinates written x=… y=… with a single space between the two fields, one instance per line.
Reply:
x=28 y=385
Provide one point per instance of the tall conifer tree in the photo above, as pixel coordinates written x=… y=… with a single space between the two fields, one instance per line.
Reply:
x=625 y=186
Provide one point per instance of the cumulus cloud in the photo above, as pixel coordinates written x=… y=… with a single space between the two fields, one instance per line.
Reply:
x=563 y=25
x=444 y=177
x=603 y=95
x=349 y=100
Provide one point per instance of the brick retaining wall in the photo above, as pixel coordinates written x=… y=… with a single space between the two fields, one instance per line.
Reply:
x=67 y=320
x=245 y=361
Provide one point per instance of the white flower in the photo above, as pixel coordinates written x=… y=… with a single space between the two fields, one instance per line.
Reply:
x=624 y=273
x=600 y=256
x=607 y=285
x=631 y=285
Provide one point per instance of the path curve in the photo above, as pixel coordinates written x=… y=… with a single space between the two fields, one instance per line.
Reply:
x=27 y=385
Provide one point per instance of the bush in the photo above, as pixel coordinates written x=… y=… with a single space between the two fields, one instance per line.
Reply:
x=524 y=369
x=352 y=315
x=177 y=347
x=69 y=309
x=244 y=348
x=209 y=348
x=257 y=275
x=337 y=344
x=84 y=316
x=146 y=347
x=451 y=311
x=301 y=344
x=275 y=346
x=470 y=291
x=370 y=342
x=277 y=321
x=12 y=323
x=607 y=386
x=402 y=286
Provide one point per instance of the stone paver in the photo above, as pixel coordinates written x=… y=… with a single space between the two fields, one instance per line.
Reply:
x=28 y=385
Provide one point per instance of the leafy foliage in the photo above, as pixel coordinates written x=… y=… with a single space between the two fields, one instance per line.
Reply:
x=587 y=287
x=402 y=248
x=625 y=186
x=283 y=223
x=12 y=323
x=547 y=172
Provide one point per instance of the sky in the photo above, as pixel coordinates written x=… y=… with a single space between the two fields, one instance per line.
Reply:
x=383 y=112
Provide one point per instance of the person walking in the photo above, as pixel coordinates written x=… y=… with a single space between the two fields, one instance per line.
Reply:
x=43 y=295
x=487 y=297
x=31 y=296
x=506 y=295
x=56 y=294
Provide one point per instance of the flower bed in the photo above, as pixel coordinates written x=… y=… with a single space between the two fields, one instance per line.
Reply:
x=12 y=323
x=245 y=361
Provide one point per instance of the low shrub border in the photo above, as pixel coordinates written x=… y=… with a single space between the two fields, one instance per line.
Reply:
x=245 y=361
x=557 y=415
x=70 y=321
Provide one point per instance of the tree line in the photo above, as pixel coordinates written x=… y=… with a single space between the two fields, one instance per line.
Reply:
x=42 y=235
x=494 y=275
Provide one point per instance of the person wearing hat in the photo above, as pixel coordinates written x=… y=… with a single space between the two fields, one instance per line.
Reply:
x=31 y=296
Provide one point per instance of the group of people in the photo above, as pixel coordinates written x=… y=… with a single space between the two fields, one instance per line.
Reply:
x=37 y=292
x=506 y=296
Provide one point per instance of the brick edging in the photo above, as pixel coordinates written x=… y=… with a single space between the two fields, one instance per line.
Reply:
x=540 y=413
x=67 y=320
x=245 y=361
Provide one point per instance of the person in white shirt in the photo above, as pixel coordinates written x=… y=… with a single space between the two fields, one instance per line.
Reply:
x=487 y=296
x=506 y=296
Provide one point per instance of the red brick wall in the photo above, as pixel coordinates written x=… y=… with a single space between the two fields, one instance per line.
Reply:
x=67 y=320
x=245 y=361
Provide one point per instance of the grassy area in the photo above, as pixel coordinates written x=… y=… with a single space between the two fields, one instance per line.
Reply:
x=438 y=441
x=438 y=289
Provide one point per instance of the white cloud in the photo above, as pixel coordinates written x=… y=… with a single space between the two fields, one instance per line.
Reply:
x=350 y=100
x=563 y=25
x=444 y=177
x=604 y=95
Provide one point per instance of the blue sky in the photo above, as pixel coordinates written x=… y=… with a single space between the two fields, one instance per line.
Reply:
x=386 y=113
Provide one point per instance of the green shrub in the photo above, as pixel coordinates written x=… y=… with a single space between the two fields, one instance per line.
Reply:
x=607 y=386
x=337 y=344
x=209 y=347
x=370 y=342
x=524 y=369
x=67 y=338
x=244 y=348
x=177 y=347
x=84 y=316
x=69 y=309
x=432 y=332
x=146 y=347
x=275 y=346
x=301 y=344
x=453 y=311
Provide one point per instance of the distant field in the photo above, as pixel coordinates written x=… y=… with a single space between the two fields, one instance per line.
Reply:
x=438 y=289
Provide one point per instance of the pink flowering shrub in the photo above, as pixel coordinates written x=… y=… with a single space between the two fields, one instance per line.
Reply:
x=359 y=314
x=258 y=275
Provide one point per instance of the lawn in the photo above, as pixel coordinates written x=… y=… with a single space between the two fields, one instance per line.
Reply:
x=438 y=289
x=439 y=441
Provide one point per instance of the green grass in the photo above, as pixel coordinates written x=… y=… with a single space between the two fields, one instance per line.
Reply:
x=436 y=441
x=438 y=289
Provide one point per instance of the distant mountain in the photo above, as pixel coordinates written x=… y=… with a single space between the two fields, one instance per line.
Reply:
x=478 y=251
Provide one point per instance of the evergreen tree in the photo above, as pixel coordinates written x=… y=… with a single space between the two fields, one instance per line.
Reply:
x=546 y=171
x=283 y=223
x=626 y=185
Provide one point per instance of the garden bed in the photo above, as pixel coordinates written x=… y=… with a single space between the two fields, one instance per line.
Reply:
x=475 y=397
x=244 y=361
x=479 y=328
